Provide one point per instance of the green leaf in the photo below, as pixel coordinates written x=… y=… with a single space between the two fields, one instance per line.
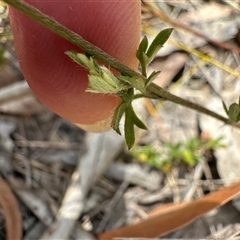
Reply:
x=194 y=144
x=141 y=55
x=158 y=43
x=143 y=59
x=234 y=112
x=103 y=81
x=127 y=96
x=143 y=45
x=215 y=143
x=125 y=79
x=129 y=129
x=188 y=157
x=83 y=60
x=134 y=82
x=151 y=78
x=225 y=107
x=136 y=120
x=117 y=117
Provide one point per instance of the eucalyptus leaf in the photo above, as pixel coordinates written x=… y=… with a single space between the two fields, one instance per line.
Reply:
x=158 y=43
x=129 y=128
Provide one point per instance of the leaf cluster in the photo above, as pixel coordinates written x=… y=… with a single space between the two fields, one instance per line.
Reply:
x=189 y=153
x=102 y=80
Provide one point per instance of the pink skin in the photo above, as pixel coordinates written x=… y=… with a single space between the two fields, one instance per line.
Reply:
x=57 y=81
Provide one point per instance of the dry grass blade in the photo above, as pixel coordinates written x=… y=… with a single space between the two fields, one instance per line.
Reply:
x=164 y=221
x=176 y=24
x=206 y=58
x=11 y=212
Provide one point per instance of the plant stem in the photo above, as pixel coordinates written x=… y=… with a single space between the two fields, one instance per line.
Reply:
x=178 y=100
x=70 y=36
x=77 y=40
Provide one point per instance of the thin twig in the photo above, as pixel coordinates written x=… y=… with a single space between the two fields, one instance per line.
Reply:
x=112 y=204
x=48 y=144
x=178 y=100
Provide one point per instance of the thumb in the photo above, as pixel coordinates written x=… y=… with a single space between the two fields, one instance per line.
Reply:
x=59 y=83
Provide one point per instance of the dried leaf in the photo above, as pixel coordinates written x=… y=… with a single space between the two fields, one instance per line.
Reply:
x=173 y=217
x=11 y=212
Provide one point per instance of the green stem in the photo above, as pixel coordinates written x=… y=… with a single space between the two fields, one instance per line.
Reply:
x=175 y=99
x=77 y=40
x=70 y=36
x=144 y=71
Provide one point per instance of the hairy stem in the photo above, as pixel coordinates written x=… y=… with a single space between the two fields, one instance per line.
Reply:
x=178 y=100
x=70 y=36
x=77 y=40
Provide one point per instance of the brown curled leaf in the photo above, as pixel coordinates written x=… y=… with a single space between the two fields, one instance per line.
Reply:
x=11 y=212
x=165 y=220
